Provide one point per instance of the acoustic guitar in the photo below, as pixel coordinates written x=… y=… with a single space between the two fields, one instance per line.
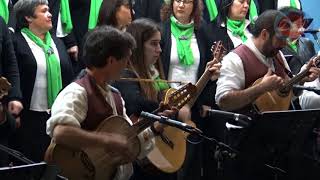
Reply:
x=99 y=163
x=170 y=150
x=279 y=100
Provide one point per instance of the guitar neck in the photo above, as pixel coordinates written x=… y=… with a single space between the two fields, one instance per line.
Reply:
x=144 y=123
x=217 y=51
x=201 y=84
x=296 y=79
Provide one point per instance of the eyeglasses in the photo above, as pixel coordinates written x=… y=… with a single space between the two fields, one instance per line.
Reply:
x=184 y=1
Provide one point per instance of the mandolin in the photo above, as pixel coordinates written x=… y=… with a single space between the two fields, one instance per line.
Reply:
x=279 y=100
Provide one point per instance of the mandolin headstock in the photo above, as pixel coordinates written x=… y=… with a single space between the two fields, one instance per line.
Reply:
x=218 y=51
x=179 y=97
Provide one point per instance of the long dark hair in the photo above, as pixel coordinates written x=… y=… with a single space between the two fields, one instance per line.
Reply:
x=167 y=11
x=108 y=10
x=224 y=11
x=142 y=30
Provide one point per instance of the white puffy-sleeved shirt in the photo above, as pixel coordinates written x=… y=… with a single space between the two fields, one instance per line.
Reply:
x=70 y=108
x=309 y=99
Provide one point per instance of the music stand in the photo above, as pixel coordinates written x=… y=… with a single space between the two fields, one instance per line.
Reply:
x=31 y=171
x=279 y=138
x=36 y=171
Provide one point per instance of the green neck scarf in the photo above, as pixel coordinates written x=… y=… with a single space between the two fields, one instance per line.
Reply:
x=94 y=13
x=237 y=28
x=212 y=9
x=253 y=13
x=54 y=80
x=160 y=85
x=65 y=16
x=293 y=45
x=183 y=34
x=4 y=10
x=293 y=4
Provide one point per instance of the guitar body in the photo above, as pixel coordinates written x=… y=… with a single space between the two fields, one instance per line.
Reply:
x=170 y=147
x=273 y=100
x=93 y=163
x=170 y=150
x=170 y=157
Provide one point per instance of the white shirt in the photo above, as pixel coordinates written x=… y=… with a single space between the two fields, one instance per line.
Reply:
x=60 y=32
x=70 y=108
x=309 y=99
x=232 y=76
x=180 y=72
x=39 y=98
x=285 y=3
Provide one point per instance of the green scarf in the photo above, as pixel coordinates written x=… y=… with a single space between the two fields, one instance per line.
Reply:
x=94 y=13
x=160 y=85
x=183 y=34
x=237 y=28
x=253 y=13
x=65 y=16
x=293 y=45
x=4 y=10
x=293 y=4
x=54 y=81
x=212 y=9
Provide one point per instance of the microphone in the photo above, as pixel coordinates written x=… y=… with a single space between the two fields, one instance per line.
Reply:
x=313 y=89
x=170 y=122
x=232 y=118
x=311 y=31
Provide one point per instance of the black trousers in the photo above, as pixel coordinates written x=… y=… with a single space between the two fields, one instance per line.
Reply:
x=6 y=130
x=31 y=138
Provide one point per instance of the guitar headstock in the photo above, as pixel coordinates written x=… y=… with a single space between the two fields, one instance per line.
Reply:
x=218 y=51
x=178 y=98
x=4 y=87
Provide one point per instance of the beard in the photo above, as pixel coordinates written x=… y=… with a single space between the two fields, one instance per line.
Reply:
x=268 y=50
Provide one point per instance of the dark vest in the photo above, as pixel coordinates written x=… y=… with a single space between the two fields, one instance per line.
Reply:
x=98 y=108
x=254 y=68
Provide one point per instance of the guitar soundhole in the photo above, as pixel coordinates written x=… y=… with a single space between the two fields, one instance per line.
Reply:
x=88 y=165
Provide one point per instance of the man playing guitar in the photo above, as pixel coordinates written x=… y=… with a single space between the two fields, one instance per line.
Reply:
x=85 y=103
x=259 y=57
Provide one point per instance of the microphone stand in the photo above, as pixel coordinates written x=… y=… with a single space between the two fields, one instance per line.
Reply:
x=195 y=131
x=222 y=151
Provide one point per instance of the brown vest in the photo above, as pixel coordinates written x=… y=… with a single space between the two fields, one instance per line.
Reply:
x=98 y=108
x=254 y=68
